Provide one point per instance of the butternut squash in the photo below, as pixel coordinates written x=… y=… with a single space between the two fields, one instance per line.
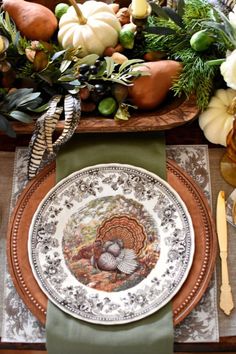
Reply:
x=34 y=21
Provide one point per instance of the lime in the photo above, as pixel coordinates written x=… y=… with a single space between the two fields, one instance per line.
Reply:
x=61 y=9
x=107 y=106
x=126 y=38
x=201 y=41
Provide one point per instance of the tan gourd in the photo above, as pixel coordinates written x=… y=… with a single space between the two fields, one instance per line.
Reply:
x=149 y=91
x=34 y=21
x=92 y=26
x=217 y=120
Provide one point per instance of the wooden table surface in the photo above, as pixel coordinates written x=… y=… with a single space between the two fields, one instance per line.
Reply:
x=189 y=134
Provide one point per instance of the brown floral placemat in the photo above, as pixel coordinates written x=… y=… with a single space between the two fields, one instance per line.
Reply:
x=201 y=325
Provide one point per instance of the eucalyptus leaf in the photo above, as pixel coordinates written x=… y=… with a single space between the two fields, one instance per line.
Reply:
x=174 y=16
x=21 y=116
x=65 y=65
x=13 y=99
x=58 y=54
x=119 y=81
x=88 y=59
x=75 y=82
x=180 y=7
x=128 y=63
x=101 y=69
x=46 y=78
x=29 y=105
x=212 y=24
x=221 y=29
x=6 y=127
x=136 y=73
x=40 y=109
x=19 y=92
x=110 y=66
x=158 y=10
x=66 y=78
x=138 y=65
x=160 y=30
x=8 y=23
x=16 y=42
x=228 y=27
x=28 y=98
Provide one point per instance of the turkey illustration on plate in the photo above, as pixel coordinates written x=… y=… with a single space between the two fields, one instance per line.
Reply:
x=115 y=253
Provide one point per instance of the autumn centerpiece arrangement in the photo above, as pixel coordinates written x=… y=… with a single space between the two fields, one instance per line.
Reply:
x=63 y=61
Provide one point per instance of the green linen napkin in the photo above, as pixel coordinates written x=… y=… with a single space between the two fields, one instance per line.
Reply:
x=153 y=334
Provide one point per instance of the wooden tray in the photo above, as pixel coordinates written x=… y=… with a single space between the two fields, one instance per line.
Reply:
x=205 y=242
x=172 y=113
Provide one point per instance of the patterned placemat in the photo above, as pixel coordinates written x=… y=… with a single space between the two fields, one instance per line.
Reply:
x=6 y=160
x=227 y=324
x=19 y=325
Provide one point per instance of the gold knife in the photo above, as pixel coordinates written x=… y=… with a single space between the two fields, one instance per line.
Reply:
x=226 y=298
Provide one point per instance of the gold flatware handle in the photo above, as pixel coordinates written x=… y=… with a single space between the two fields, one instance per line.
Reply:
x=226 y=299
x=234 y=212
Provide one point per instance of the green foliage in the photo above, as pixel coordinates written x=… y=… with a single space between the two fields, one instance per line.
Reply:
x=15 y=106
x=165 y=32
x=197 y=77
x=194 y=11
x=9 y=29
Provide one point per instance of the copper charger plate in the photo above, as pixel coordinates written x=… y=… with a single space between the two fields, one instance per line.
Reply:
x=205 y=242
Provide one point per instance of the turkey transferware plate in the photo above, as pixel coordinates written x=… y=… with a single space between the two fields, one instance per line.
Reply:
x=111 y=244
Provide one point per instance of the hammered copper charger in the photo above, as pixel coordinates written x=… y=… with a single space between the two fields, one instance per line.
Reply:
x=205 y=242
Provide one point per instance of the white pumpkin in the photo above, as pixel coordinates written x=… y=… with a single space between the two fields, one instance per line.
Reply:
x=217 y=120
x=99 y=30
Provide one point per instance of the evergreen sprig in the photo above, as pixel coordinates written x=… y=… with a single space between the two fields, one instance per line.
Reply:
x=197 y=76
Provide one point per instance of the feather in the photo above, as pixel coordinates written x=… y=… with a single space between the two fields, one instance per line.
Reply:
x=41 y=148
x=38 y=142
x=50 y=122
x=37 y=147
x=72 y=112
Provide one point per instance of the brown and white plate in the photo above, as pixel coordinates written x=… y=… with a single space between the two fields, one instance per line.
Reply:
x=111 y=243
x=187 y=294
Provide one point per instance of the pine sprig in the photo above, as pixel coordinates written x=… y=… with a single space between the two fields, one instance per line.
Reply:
x=197 y=77
x=194 y=11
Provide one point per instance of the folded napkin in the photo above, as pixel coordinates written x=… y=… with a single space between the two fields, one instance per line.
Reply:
x=153 y=334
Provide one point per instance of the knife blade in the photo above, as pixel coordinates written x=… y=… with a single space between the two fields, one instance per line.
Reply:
x=226 y=298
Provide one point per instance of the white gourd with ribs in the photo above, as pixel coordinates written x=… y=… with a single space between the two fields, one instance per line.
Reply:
x=217 y=120
x=94 y=32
